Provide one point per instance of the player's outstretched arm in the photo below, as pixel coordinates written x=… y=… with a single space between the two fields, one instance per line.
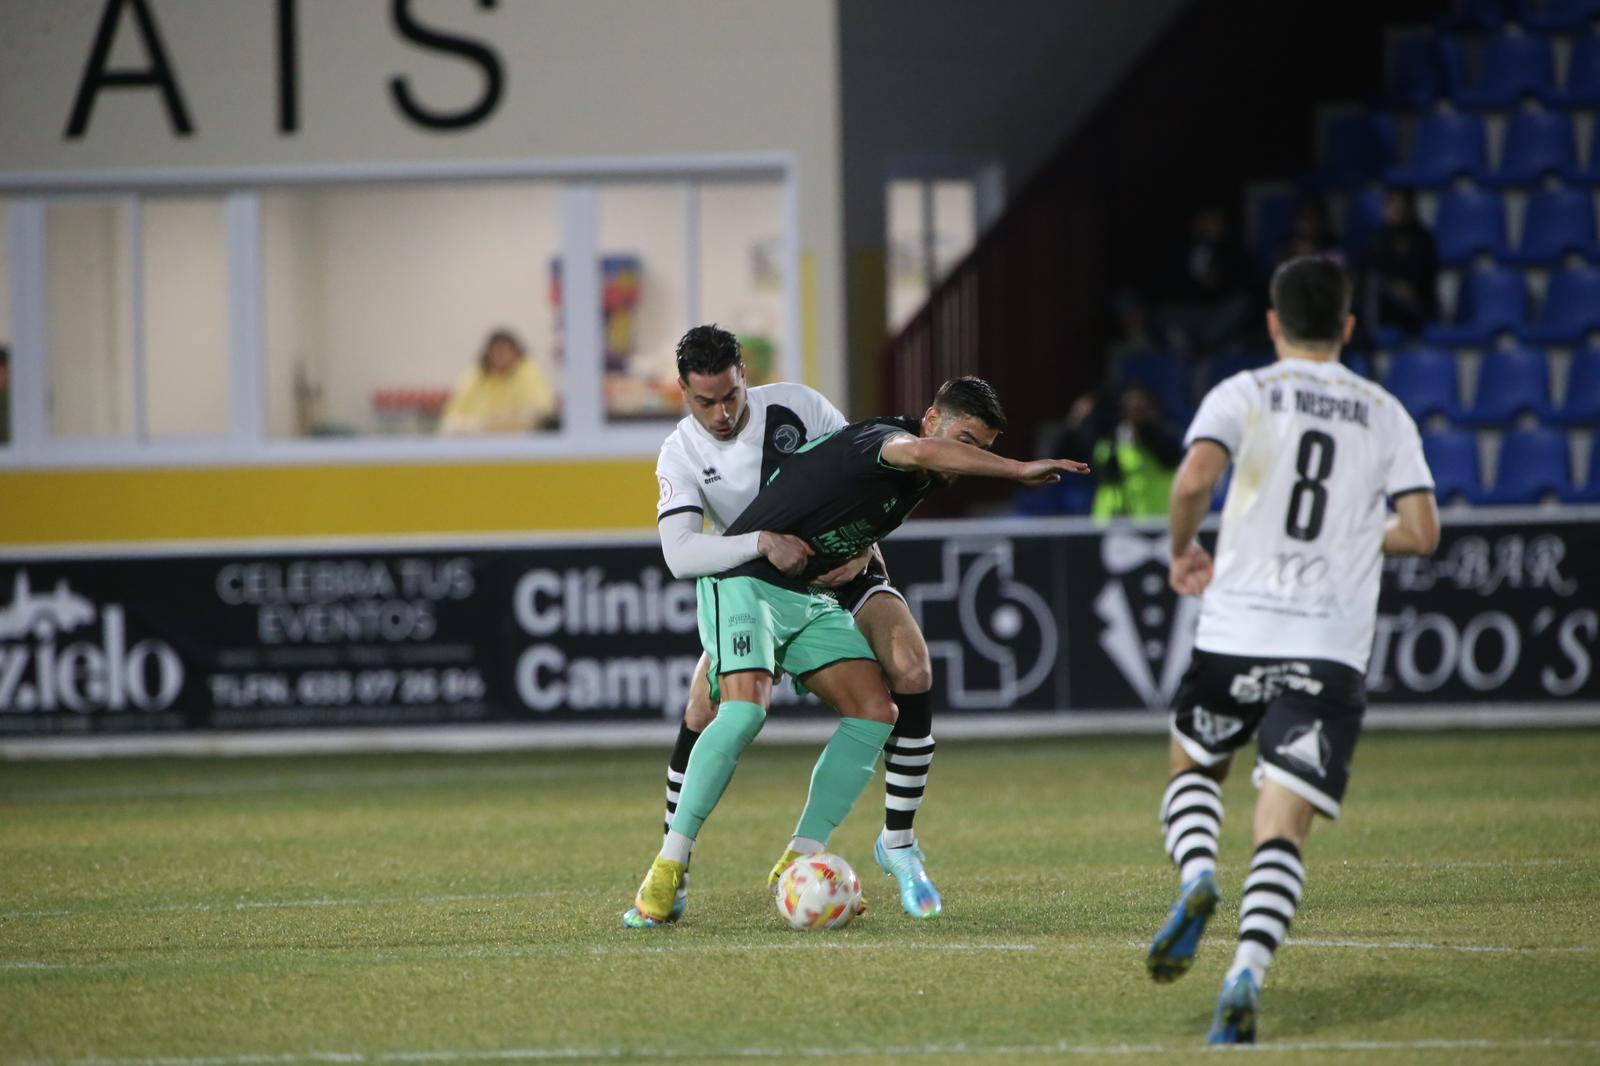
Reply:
x=1414 y=529
x=1197 y=475
x=955 y=459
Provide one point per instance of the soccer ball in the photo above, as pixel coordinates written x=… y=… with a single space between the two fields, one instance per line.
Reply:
x=818 y=891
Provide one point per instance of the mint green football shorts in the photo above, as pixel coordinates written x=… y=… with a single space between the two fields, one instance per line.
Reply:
x=749 y=624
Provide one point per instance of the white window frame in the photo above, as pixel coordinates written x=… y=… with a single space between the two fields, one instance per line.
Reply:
x=584 y=432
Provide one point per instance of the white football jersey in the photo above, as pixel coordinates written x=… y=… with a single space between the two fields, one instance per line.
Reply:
x=1316 y=451
x=719 y=478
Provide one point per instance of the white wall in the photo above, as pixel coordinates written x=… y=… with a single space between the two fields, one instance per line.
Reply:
x=186 y=317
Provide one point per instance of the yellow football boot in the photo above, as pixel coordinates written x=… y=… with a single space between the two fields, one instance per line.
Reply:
x=658 y=895
x=789 y=856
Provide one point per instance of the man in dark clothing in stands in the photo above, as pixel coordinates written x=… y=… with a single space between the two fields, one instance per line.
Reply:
x=1402 y=268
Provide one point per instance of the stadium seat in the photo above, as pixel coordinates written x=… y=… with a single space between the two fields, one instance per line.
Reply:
x=1533 y=463
x=1480 y=15
x=1556 y=16
x=1424 y=381
x=1073 y=495
x=1510 y=68
x=1357 y=149
x=1537 y=143
x=1363 y=218
x=1571 y=308
x=1274 y=216
x=1447 y=145
x=1589 y=491
x=1582 y=88
x=1468 y=223
x=1581 y=405
x=1415 y=79
x=1220 y=368
x=1452 y=456
x=1511 y=382
x=1589 y=174
x=1558 y=221
x=1493 y=300
x=1357 y=362
x=1164 y=376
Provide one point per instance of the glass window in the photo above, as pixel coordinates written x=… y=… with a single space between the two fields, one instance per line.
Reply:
x=741 y=269
x=89 y=291
x=932 y=225
x=644 y=295
x=411 y=309
x=185 y=246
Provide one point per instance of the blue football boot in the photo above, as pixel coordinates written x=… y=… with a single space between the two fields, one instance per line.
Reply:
x=917 y=895
x=1235 y=1020
x=1172 y=951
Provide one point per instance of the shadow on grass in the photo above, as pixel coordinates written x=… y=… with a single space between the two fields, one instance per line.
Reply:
x=1360 y=1000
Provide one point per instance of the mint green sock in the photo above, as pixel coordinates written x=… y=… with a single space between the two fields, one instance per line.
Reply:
x=712 y=763
x=841 y=775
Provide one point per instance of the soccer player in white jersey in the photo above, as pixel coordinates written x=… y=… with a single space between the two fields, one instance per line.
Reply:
x=710 y=468
x=1287 y=615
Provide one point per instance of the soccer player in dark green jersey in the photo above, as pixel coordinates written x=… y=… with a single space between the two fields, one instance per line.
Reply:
x=839 y=494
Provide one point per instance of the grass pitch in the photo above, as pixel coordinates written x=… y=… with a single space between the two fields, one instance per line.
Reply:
x=455 y=909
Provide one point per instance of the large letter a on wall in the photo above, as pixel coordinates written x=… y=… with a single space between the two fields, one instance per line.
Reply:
x=158 y=74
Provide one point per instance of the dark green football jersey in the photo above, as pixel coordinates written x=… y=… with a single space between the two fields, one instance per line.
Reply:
x=838 y=495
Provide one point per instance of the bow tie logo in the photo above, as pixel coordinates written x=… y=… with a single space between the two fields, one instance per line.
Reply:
x=1137 y=655
x=1122 y=551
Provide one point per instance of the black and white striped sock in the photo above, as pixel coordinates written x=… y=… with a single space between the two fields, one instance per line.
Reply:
x=677 y=765
x=906 y=761
x=1271 y=894
x=1191 y=819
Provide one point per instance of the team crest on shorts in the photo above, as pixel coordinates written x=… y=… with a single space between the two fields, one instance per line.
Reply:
x=1306 y=747
x=1214 y=729
x=741 y=644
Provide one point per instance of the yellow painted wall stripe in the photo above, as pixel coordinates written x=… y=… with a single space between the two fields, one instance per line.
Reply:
x=808 y=320
x=97 y=506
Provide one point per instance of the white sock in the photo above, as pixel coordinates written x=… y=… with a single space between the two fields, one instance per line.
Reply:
x=1253 y=957
x=898 y=838
x=677 y=847
x=807 y=846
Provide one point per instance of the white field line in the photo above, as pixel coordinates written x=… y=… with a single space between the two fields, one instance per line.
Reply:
x=293 y=783
x=296 y=904
x=550 y=1054
x=1476 y=949
x=634 y=950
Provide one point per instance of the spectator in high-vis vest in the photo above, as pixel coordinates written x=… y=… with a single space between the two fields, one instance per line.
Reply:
x=1133 y=452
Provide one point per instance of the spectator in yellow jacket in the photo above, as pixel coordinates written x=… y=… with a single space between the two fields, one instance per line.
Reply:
x=505 y=393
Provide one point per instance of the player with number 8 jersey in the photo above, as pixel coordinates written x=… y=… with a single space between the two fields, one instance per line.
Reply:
x=1287 y=617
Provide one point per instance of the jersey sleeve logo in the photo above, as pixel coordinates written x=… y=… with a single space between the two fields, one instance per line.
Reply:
x=666 y=491
x=786 y=439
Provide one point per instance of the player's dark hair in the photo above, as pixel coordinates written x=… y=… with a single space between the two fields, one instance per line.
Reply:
x=1312 y=296
x=708 y=350
x=497 y=337
x=971 y=396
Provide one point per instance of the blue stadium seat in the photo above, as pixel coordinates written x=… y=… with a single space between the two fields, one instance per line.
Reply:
x=1510 y=68
x=1415 y=79
x=1357 y=149
x=1453 y=459
x=1447 y=146
x=1363 y=218
x=1477 y=15
x=1589 y=491
x=1556 y=16
x=1219 y=492
x=1220 y=368
x=1581 y=405
x=1274 y=216
x=1571 y=308
x=1537 y=143
x=1589 y=174
x=1582 y=88
x=1358 y=362
x=1533 y=463
x=1493 y=300
x=1511 y=382
x=1164 y=376
x=1424 y=381
x=1558 y=221
x=1073 y=495
x=1468 y=223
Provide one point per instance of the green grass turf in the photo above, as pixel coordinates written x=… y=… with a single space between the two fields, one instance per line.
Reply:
x=383 y=906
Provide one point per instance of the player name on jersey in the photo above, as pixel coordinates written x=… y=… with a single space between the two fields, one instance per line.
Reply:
x=1322 y=405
